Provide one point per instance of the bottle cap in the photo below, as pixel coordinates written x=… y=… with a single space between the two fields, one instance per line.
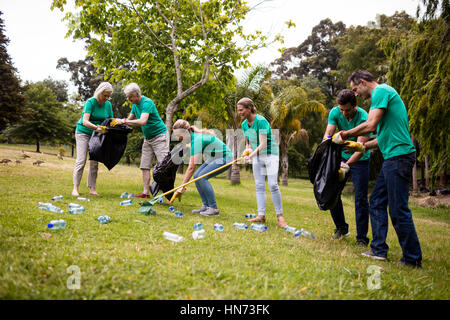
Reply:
x=50 y=225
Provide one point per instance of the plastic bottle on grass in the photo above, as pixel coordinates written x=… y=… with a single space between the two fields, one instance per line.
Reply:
x=83 y=199
x=290 y=229
x=178 y=214
x=124 y=195
x=77 y=210
x=56 y=198
x=306 y=233
x=44 y=205
x=218 y=227
x=126 y=203
x=104 y=219
x=198 y=234
x=57 y=224
x=172 y=236
x=130 y=196
x=238 y=225
x=250 y=215
x=258 y=227
x=53 y=208
x=198 y=226
x=171 y=209
x=74 y=205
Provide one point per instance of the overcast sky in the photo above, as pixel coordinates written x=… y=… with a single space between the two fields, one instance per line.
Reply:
x=37 y=34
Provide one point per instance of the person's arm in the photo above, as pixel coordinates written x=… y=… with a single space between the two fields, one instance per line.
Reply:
x=87 y=123
x=371 y=144
x=370 y=125
x=357 y=155
x=329 y=131
x=262 y=145
x=142 y=121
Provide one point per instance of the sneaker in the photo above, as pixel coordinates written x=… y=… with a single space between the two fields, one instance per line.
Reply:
x=361 y=243
x=339 y=234
x=402 y=263
x=202 y=208
x=372 y=255
x=142 y=195
x=210 y=212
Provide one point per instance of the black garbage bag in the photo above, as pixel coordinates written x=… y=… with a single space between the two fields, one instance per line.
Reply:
x=108 y=148
x=323 y=170
x=165 y=171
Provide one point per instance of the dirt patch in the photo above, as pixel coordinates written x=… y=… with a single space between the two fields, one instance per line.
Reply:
x=428 y=201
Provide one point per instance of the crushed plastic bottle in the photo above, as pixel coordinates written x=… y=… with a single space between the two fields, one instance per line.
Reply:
x=258 y=227
x=53 y=208
x=178 y=214
x=57 y=224
x=290 y=229
x=124 y=195
x=126 y=203
x=74 y=205
x=56 y=198
x=77 y=210
x=218 y=227
x=250 y=215
x=238 y=225
x=44 y=205
x=104 y=219
x=198 y=234
x=172 y=236
x=171 y=209
x=198 y=226
x=130 y=196
x=83 y=199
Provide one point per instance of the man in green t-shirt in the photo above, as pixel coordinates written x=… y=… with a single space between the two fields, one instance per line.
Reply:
x=346 y=116
x=388 y=116
x=144 y=114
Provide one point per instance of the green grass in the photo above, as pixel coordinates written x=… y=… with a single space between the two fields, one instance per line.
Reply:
x=129 y=258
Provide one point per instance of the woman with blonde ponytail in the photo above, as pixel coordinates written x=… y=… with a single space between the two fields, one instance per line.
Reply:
x=204 y=144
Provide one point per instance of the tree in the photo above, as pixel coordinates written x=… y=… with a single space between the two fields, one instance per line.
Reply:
x=59 y=88
x=315 y=56
x=419 y=70
x=43 y=120
x=290 y=105
x=11 y=98
x=171 y=47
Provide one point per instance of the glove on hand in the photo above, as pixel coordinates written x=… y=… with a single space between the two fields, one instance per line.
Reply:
x=337 y=138
x=353 y=146
x=343 y=171
x=177 y=194
x=101 y=129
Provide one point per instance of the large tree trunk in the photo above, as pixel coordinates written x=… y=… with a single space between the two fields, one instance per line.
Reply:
x=284 y=164
x=235 y=177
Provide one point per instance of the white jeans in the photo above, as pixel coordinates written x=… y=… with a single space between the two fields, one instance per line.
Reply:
x=266 y=165
x=82 y=144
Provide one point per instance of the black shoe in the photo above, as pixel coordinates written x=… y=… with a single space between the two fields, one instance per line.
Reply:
x=339 y=234
x=404 y=264
x=361 y=243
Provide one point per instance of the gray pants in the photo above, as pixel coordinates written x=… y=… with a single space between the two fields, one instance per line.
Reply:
x=157 y=146
x=82 y=143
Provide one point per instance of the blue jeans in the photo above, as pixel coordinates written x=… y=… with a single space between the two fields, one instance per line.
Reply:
x=266 y=165
x=203 y=185
x=392 y=189
x=360 y=177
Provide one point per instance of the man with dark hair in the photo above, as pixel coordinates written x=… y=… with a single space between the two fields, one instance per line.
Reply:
x=346 y=116
x=388 y=116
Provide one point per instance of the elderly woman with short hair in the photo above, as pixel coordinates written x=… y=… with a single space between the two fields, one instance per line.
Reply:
x=145 y=115
x=95 y=111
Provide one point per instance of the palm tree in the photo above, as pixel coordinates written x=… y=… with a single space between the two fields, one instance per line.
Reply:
x=286 y=110
x=252 y=86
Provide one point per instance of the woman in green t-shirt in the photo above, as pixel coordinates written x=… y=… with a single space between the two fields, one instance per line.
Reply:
x=263 y=151
x=203 y=143
x=95 y=111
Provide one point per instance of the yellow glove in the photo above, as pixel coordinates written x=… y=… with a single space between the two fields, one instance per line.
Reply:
x=353 y=146
x=343 y=171
x=337 y=138
x=113 y=122
x=177 y=194
x=101 y=129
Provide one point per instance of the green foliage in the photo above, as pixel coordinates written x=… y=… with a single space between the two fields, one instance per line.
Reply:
x=11 y=98
x=419 y=69
x=44 y=120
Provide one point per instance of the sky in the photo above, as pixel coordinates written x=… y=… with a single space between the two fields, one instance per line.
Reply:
x=37 y=34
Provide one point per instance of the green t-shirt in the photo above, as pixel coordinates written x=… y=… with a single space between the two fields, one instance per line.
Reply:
x=393 y=128
x=154 y=126
x=210 y=146
x=337 y=118
x=260 y=126
x=98 y=114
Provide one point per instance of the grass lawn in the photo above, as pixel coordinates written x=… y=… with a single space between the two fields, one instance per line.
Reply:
x=130 y=259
